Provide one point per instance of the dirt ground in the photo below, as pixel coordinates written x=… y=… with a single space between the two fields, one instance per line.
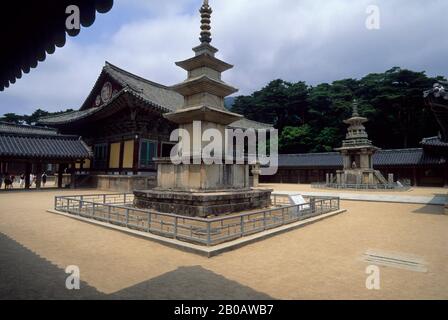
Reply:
x=319 y=261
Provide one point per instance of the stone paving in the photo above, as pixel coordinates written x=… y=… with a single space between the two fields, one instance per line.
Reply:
x=435 y=196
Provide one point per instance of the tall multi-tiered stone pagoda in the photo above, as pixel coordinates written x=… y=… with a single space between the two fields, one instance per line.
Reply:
x=193 y=187
x=357 y=152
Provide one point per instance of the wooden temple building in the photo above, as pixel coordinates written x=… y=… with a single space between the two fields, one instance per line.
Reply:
x=112 y=140
x=414 y=166
x=30 y=150
x=122 y=122
x=425 y=166
x=122 y=128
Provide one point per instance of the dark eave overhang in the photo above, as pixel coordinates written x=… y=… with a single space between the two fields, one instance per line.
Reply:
x=33 y=29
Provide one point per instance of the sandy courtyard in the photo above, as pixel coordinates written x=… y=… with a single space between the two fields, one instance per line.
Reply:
x=319 y=261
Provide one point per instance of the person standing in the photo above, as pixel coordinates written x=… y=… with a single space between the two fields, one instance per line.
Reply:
x=8 y=181
x=22 y=180
x=44 y=179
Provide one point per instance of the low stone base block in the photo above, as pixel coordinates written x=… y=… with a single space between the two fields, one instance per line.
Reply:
x=197 y=204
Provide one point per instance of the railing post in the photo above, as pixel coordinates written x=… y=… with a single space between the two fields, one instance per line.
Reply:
x=209 y=236
x=124 y=198
x=93 y=209
x=109 y=208
x=55 y=203
x=175 y=227
x=242 y=225
x=313 y=205
x=127 y=217
x=264 y=220
x=68 y=205
x=104 y=199
x=283 y=216
x=149 y=222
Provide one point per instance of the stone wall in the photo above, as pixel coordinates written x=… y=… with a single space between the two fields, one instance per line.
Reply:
x=123 y=183
x=119 y=183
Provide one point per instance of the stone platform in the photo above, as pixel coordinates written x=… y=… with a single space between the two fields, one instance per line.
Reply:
x=202 y=204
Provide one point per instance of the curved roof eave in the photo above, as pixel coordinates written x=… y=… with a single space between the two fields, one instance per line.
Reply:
x=31 y=42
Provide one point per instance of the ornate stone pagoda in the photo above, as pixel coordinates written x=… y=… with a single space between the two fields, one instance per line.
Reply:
x=357 y=151
x=194 y=188
x=437 y=99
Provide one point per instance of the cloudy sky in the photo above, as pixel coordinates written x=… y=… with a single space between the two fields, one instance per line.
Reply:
x=309 y=40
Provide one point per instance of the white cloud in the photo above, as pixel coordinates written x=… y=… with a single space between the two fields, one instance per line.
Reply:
x=295 y=40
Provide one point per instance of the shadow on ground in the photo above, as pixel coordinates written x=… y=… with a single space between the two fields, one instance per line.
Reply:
x=190 y=283
x=430 y=209
x=25 y=275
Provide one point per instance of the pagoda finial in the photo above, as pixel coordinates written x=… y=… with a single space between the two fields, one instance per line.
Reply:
x=355 y=108
x=206 y=13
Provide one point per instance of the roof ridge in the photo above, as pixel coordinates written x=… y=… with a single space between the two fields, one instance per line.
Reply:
x=250 y=120
x=118 y=69
x=58 y=114
x=335 y=152
x=309 y=153
x=402 y=149
x=28 y=126
x=39 y=136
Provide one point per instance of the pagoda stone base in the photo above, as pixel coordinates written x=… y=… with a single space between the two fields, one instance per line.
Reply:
x=198 y=204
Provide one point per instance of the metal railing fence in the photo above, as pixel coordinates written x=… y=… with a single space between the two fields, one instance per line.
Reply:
x=118 y=209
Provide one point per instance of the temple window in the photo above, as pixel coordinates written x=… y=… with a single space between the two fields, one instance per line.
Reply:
x=100 y=156
x=148 y=151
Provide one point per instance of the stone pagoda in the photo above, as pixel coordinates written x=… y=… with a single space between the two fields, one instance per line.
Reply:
x=194 y=188
x=357 y=152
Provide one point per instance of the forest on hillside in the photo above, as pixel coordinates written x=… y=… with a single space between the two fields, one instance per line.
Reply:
x=310 y=118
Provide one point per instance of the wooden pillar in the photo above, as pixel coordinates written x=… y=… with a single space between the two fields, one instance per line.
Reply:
x=136 y=155
x=27 y=175
x=109 y=153
x=72 y=176
x=120 y=162
x=60 y=174
x=414 y=173
x=445 y=174
x=38 y=175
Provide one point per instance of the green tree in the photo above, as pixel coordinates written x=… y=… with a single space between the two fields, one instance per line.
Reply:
x=392 y=101
x=12 y=118
x=295 y=139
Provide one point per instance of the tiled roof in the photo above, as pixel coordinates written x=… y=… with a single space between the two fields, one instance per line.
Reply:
x=6 y=127
x=151 y=91
x=329 y=159
x=68 y=117
x=394 y=157
x=434 y=142
x=158 y=96
x=32 y=146
x=249 y=124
